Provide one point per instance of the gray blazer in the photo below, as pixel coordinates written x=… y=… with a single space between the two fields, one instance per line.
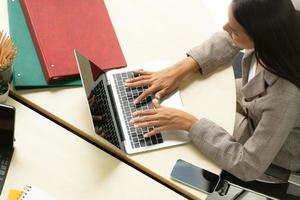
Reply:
x=267 y=128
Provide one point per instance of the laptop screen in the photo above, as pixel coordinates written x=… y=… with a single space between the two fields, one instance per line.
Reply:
x=98 y=100
x=89 y=72
x=7 y=122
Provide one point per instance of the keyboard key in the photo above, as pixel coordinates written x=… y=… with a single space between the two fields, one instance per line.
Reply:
x=145 y=130
x=149 y=99
x=159 y=136
x=143 y=143
x=136 y=145
x=134 y=134
x=118 y=76
x=148 y=141
x=153 y=139
x=141 y=136
x=132 y=130
x=160 y=140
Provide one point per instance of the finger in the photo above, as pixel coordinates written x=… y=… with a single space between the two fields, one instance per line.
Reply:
x=139 y=78
x=142 y=72
x=160 y=94
x=155 y=131
x=153 y=123
x=156 y=103
x=141 y=83
x=142 y=119
x=145 y=94
x=144 y=112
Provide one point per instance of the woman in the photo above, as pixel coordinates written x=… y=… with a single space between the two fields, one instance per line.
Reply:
x=267 y=127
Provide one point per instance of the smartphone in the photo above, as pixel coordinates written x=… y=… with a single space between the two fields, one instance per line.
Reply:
x=194 y=176
x=7 y=126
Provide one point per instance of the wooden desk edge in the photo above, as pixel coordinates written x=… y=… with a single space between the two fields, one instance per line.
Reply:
x=104 y=145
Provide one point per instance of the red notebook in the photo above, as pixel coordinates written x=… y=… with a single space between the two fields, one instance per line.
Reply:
x=60 y=26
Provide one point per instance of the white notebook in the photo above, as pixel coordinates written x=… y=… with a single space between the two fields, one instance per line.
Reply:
x=33 y=193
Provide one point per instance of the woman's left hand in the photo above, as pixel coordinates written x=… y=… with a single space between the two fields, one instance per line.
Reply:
x=163 y=118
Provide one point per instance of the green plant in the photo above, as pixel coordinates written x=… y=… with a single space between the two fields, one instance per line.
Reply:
x=3 y=86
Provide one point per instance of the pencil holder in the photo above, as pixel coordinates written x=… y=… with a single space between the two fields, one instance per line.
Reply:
x=7 y=55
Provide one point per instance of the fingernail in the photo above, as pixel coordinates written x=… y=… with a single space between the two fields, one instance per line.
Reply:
x=131 y=121
x=135 y=102
x=146 y=135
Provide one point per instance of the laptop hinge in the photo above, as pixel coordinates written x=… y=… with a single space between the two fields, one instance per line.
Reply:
x=117 y=118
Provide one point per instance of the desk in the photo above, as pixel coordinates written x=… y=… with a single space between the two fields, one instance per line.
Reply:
x=150 y=31
x=67 y=167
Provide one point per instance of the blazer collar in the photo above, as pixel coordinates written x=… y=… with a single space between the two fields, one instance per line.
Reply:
x=270 y=78
x=259 y=83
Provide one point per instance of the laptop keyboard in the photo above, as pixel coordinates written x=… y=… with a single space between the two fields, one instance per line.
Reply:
x=101 y=108
x=127 y=96
x=5 y=158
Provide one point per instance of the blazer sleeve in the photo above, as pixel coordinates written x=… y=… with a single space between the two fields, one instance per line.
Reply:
x=248 y=161
x=218 y=50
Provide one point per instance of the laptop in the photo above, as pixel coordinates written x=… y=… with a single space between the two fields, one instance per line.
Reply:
x=7 y=124
x=111 y=107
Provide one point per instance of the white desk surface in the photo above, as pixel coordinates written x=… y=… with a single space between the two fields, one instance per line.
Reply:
x=67 y=167
x=151 y=31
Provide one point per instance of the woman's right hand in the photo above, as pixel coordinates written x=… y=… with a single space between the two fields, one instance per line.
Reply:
x=163 y=82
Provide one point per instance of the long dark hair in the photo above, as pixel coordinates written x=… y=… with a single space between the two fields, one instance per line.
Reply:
x=274 y=26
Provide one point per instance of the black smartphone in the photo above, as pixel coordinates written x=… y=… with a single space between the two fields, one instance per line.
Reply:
x=7 y=126
x=194 y=176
